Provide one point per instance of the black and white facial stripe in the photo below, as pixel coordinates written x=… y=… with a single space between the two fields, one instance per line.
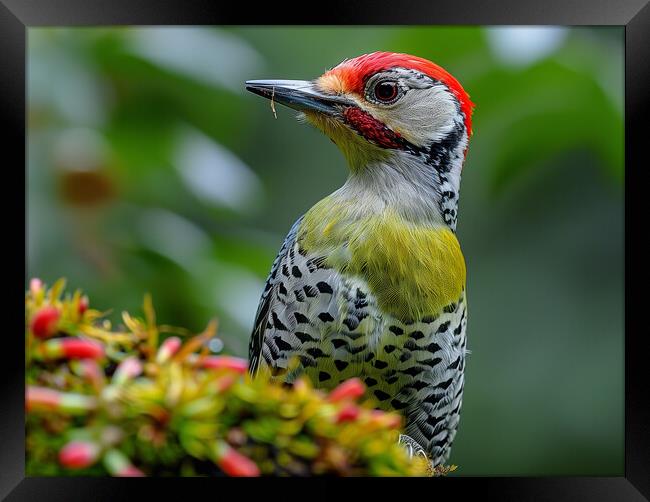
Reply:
x=443 y=145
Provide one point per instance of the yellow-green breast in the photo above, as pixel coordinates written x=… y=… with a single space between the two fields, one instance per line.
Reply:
x=414 y=270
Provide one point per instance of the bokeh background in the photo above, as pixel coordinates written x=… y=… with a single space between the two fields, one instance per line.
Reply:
x=151 y=169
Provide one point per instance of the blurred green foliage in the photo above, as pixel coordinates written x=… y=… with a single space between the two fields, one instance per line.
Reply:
x=151 y=169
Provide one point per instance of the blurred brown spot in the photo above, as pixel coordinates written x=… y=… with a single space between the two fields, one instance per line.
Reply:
x=236 y=437
x=86 y=188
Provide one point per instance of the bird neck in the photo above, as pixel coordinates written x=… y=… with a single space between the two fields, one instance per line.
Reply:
x=421 y=184
x=406 y=185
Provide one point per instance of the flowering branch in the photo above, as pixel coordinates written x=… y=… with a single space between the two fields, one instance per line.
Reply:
x=139 y=401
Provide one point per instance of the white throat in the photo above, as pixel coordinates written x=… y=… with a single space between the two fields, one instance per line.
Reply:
x=409 y=185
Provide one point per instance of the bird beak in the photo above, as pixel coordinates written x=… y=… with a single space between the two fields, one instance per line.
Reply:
x=300 y=95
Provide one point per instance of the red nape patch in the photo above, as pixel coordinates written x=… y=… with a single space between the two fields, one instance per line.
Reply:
x=372 y=129
x=354 y=73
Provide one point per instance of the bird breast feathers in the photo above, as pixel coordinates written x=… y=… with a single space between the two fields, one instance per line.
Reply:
x=413 y=270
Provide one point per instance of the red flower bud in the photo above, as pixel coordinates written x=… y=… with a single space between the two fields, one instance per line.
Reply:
x=348 y=413
x=236 y=364
x=79 y=454
x=234 y=463
x=77 y=348
x=44 y=323
x=71 y=348
x=83 y=304
x=350 y=389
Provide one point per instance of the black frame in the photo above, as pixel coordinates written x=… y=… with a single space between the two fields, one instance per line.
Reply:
x=634 y=15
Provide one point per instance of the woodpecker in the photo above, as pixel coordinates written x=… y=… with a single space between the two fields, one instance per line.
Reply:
x=370 y=282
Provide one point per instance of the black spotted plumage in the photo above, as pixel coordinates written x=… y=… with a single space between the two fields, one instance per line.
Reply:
x=329 y=322
x=261 y=317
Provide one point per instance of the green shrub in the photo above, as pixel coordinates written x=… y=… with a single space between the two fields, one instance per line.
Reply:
x=152 y=400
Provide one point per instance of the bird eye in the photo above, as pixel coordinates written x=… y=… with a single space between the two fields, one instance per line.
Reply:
x=386 y=91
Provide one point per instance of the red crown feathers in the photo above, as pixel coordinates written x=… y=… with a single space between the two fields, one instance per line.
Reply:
x=354 y=73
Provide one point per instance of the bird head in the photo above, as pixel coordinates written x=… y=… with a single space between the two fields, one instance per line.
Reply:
x=388 y=113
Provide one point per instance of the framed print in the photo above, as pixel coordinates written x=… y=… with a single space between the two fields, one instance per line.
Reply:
x=425 y=275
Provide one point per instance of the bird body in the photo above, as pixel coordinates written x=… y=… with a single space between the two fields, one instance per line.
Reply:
x=370 y=282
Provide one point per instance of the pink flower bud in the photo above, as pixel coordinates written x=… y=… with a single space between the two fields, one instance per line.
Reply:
x=44 y=399
x=91 y=371
x=35 y=286
x=130 y=471
x=44 y=323
x=131 y=367
x=235 y=364
x=41 y=397
x=79 y=454
x=168 y=348
x=350 y=389
x=117 y=464
x=225 y=382
x=233 y=463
